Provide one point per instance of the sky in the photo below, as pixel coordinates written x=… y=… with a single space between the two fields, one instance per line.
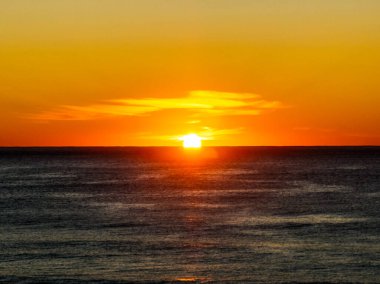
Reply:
x=146 y=72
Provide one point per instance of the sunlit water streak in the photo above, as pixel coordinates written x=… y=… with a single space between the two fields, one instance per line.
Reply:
x=146 y=215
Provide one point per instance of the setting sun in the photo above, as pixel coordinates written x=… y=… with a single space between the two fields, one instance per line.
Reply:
x=191 y=141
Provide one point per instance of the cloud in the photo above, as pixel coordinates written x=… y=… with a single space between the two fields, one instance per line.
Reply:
x=209 y=133
x=197 y=102
x=206 y=133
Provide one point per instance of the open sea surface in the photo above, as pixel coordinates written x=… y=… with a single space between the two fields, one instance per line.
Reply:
x=168 y=215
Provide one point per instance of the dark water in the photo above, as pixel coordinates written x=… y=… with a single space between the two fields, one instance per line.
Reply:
x=219 y=215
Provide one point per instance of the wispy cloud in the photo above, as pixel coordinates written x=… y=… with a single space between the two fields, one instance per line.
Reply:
x=209 y=133
x=206 y=133
x=198 y=102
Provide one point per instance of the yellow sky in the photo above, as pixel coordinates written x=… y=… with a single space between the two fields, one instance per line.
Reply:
x=145 y=72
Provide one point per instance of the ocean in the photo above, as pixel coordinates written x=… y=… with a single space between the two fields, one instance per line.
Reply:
x=169 y=215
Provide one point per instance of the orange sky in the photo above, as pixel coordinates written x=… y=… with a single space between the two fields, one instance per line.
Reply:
x=236 y=72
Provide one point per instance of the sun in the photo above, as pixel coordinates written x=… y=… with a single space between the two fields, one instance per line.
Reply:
x=191 y=141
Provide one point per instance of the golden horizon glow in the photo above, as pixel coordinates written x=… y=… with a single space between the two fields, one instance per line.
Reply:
x=191 y=141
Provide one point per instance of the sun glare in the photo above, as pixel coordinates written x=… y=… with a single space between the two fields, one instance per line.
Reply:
x=191 y=141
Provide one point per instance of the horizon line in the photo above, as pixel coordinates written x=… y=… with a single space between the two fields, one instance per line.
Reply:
x=168 y=146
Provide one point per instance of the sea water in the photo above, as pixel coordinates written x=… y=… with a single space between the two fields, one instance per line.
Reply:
x=167 y=215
